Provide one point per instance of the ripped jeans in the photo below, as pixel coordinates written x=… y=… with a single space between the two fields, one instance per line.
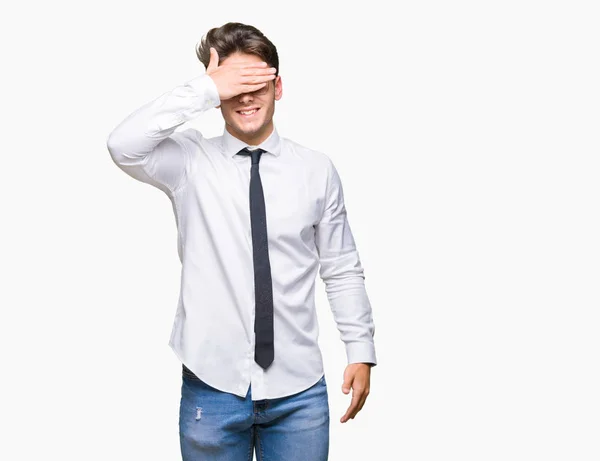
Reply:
x=219 y=426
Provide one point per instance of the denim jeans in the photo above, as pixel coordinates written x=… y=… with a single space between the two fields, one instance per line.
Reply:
x=219 y=426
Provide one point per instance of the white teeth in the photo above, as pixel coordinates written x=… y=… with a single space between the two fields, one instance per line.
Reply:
x=248 y=112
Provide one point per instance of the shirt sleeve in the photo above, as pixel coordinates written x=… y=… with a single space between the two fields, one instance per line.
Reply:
x=145 y=146
x=343 y=275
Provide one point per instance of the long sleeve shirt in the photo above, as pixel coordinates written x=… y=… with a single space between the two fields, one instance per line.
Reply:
x=207 y=182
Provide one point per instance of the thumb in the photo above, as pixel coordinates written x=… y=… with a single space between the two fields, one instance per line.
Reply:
x=214 y=60
x=346 y=385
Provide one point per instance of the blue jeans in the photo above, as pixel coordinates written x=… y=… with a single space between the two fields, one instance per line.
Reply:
x=219 y=426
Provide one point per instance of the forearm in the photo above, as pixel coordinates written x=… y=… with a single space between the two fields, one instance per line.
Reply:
x=144 y=144
x=349 y=302
x=141 y=131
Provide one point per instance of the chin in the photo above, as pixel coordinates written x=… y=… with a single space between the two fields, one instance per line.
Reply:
x=250 y=128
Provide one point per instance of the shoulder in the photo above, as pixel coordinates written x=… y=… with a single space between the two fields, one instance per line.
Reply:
x=315 y=158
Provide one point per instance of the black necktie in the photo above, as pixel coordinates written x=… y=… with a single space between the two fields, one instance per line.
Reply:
x=263 y=285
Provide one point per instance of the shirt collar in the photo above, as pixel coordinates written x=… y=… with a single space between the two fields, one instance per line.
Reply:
x=232 y=145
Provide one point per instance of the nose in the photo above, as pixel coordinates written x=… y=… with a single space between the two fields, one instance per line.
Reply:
x=246 y=97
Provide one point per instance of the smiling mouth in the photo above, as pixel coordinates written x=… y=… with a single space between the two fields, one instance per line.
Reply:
x=248 y=113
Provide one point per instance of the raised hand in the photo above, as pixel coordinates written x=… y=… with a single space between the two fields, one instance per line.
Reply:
x=234 y=79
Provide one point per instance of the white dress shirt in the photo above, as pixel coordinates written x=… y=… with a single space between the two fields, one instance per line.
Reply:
x=308 y=233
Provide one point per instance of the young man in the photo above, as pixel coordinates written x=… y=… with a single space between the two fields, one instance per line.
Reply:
x=258 y=215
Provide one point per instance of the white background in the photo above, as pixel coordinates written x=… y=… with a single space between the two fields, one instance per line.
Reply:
x=466 y=137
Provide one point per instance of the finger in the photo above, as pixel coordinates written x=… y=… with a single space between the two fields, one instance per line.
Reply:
x=258 y=71
x=253 y=64
x=361 y=403
x=362 y=394
x=256 y=79
x=253 y=87
x=347 y=384
x=214 y=60
x=349 y=412
x=353 y=405
x=250 y=66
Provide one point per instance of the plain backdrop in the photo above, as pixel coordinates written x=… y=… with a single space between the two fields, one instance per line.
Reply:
x=466 y=137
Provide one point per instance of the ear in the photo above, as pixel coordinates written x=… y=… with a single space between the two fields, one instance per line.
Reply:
x=278 y=88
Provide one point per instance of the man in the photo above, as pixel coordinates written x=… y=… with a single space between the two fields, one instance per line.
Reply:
x=257 y=216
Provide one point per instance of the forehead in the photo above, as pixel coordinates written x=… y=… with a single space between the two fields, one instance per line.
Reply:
x=240 y=58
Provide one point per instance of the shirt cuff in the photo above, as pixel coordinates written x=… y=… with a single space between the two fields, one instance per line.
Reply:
x=205 y=86
x=361 y=352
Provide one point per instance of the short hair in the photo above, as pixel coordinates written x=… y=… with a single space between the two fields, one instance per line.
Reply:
x=237 y=37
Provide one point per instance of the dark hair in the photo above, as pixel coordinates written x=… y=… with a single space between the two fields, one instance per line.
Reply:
x=235 y=36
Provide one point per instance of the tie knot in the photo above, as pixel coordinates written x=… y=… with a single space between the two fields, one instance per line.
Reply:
x=254 y=153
